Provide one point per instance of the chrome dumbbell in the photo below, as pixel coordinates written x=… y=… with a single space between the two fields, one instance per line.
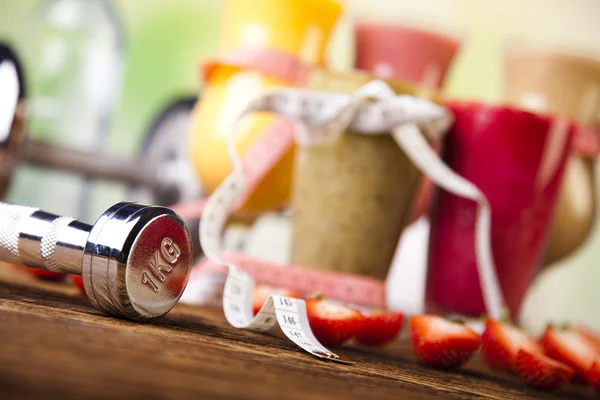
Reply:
x=135 y=260
x=163 y=175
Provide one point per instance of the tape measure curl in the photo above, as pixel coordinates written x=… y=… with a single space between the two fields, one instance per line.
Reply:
x=208 y=278
x=322 y=117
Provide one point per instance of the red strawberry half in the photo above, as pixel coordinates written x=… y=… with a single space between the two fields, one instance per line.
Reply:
x=542 y=372
x=593 y=375
x=380 y=327
x=592 y=337
x=571 y=348
x=440 y=343
x=78 y=281
x=500 y=344
x=332 y=323
x=263 y=292
x=46 y=275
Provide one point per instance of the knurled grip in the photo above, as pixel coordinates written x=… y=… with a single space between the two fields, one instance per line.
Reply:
x=11 y=217
x=48 y=244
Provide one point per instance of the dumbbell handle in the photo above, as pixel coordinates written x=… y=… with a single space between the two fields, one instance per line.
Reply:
x=92 y=165
x=135 y=260
x=39 y=239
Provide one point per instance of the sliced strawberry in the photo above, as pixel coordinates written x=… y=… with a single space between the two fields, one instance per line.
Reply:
x=262 y=293
x=593 y=375
x=592 y=337
x=380 y=327
x=500 y=344
x=47 y=275
x=78 y=280
x=440 y=343
x=40 y=273
x=542 y=372
x=571 y=348
x=332 y=323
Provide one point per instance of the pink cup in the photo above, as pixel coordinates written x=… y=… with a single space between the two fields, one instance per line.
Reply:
x=517 y=160
x=405 y=53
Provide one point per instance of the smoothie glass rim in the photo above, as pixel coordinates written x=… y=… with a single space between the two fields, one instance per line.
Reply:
x=574 y=51
x=459 y=37
x=515 y=110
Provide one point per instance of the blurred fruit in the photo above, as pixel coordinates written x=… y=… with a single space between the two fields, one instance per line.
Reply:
x=46 y=275
x=593 y=376
x=440 y=343
x=542 y=372
x=380 y=327
x=571 y=348
x=78 y=281
x=593 y=338
x=332 y=323
x=501 y=342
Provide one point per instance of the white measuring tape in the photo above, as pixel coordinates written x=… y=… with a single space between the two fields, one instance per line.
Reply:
x=373 y=110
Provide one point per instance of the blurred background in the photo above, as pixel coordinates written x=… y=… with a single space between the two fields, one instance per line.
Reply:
x=158 y=45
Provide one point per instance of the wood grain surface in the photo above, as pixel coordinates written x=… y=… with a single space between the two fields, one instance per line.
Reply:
x=56 y=346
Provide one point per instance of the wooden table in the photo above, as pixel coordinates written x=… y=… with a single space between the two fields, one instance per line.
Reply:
x=56 y=346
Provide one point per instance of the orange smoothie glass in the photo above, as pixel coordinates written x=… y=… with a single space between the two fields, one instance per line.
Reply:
x=297 y=29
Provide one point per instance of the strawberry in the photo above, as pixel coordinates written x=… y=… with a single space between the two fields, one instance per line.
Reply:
x=47 y=275
x=571 y=348
x=542 y=372
x=380 y=327
x=592 y=337
x=332 y=323
x=78 y=280
x=593 y=375
x=262 y=293
x=40 y=273
x=500 y=344
x=440 y=343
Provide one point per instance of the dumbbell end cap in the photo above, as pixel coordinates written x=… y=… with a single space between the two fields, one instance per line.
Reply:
x=137 y=261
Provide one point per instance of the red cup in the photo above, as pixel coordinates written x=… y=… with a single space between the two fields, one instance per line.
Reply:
x=517 y=160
